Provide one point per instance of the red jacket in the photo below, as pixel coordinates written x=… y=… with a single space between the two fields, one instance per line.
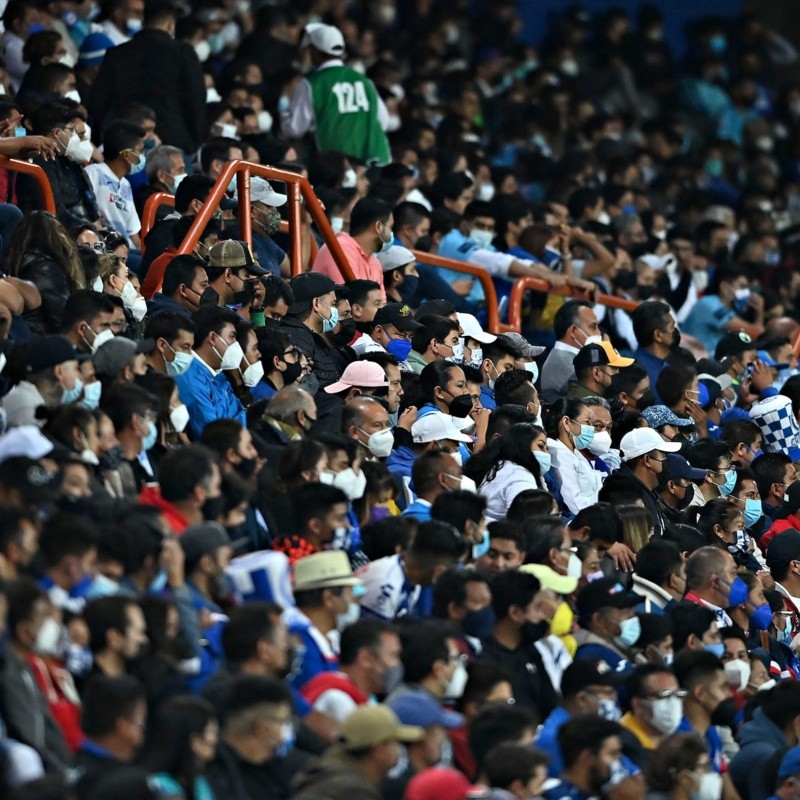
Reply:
x=151 y=496
x=779 y=526
x=325 y=681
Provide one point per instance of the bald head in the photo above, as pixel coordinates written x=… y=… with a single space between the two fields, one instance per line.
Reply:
x=706 y=564
x=289 y=402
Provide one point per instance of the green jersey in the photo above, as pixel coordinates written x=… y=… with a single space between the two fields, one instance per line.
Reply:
x=346 y=111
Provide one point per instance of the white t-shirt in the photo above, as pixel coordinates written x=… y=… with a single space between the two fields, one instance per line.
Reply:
x=115 y=200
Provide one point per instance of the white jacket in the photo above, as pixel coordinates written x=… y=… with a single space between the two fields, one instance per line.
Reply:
x=508 y=482
x=579 y=481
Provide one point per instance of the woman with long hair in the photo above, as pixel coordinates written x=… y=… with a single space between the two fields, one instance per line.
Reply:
x=680 y=768
x=42 y=252
x=521 y=461
x=185 y=736
x=569 y=432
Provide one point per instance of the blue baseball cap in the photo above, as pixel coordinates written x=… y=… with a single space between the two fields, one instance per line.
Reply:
x=764 y=356
x=790 y=763
x=422 y=710
x=657 y=416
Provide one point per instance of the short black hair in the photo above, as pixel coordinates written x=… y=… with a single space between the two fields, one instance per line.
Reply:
x=494 y=724
x=512 y=588
x=122 y=400
x=366 y=212
x=672 y=382
x=84 y=305
x=707 y=453
x=167 y=325
x=436 y=542
x=313 y=501
x=458 y=507
x=208 y=319
x=514 y=387
x=104 y=614
x=22 y=595
x=425 y=643
x=180 y=272
x=247 y=691
x=584 y=732
x=688 y=619
x=247 y=625
x=657 y=560
x=451 y=587
x=696 y=666
x=364 y=634
x=647 y=318
x=119 y=136
x=740 y=431
x=509 y=762
x=567 y=316
x=66 y=534
x=181 y=469
x=769 y=469
x=192 y=187
x=107 y=699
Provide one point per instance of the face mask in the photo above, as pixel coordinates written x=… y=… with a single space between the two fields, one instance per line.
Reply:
x=139 y=308
x=128 y=294
x=601 y=443
x=629 y=632
x=784 y=636
x=486 y=192
x=232 y=356
x=385 y=243
x=545 y=460
x=79 y=151
x=214 y=507
x=766 y=686
x=717 y=649
x=48 y=639
x=476 y=358
x=139 y=165
x=575 y=567
x=71 y=395
x=710 y=787
x=179 y=417
x=310 y=383
x=458 y=354
x=730 y=482
x=551 y=257
x=337 y=225
x=101 y=586
x=349 y=617
x=350 y=179
x=99 y=339
x=176 y=182
x=253 y=374
x=457 y=458
x=595 y=576
x=738 y=593
x=271 y=222
x=399 y=348
x=352 y=484
x=392 y=678
x=91 y=395
x=380 y=443
x=179 y=364
x=584 y=438
x=737 y=673
x=97 y=284
x=482 y=548
x=332 y=321
x=88 y=456
x=345 y=334
x=134 y=26
x=466 y=484
x=533 y=368
x=291 y=373
x=481 y=238
x=667 y=714
x=478 y=623
x=455 y=687
x=752 y=512
x=150 y=439
x=761 y=618
x=461 y=406
x=608 y=709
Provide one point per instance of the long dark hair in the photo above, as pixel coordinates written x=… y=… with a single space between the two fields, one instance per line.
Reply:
x=563 y=407
x=170 y=750
x=437 y=373
x=515 y=446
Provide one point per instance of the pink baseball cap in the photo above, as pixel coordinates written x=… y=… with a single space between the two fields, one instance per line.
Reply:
x=365 y=374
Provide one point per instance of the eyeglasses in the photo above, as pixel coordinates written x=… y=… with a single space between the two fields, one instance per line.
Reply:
x=667 y=693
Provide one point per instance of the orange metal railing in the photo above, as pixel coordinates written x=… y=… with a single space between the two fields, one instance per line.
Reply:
x=34 y=170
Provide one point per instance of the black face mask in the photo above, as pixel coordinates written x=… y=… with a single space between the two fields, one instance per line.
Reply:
x=645 y=292
x=460 y=406
x=345 y=334
x=625 y=279
x=291 y=373
x=725 y=714
x=533 y=631
x=210 y=297
x=424 y=243
x=683 y=503
x=214 y=508
x=246 y=467
x=646 y=400
x=676 y=340
x=245 y=296
x=479 y=623
x=364 y=327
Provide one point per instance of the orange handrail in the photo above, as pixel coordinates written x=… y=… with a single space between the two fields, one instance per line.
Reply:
x=27 y=167
x=521 y=285
x=151 y=206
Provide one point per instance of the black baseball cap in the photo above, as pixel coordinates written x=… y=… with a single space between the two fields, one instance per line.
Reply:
x=440 y=308
x=586 y=672
x=399 y=315
x=308 y=286
x=783 y=549
x=676 y=467
x=50 y=351
x=732 y=344
x=605 y=593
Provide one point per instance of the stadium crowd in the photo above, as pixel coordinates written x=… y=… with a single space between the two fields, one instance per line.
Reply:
x=283 y=538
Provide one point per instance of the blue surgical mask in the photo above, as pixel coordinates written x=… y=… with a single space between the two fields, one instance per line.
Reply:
x=545 y=460
x=762 y=617
x=399 y=348
x=139 y=165
x=738 y=594
x=482 y=548
x=756 y=453
x=533 y=368
x=150 y=439
x=717 y=649
x=179 y=364
x=629 y=631
x=730 y=482
x=91 y=395
x=329 y=324
x=752 y=512
x=71 y=395
x=586 y=437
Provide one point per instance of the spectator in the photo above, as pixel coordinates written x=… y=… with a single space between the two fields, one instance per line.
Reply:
x=116 y=634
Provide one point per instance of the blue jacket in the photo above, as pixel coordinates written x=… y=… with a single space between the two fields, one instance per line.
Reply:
x=487 y=398
x=547 y=740
x=759 y=739
x=161 y=302
x=418 y=511
x=208 y=397
x=401 y=461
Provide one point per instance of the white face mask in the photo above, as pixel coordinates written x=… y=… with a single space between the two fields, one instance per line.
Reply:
x=101 y=338
x=128 y=294
x=350 y=179
x=79 y=150
x=737 y=673
x=73 y=94
x=601 y=443
x=228 y=130
x=352 y=484
x=465 y=483
x=458 y=353
x=337 y=224
x=97 y=284
x=380 y=443
x=456 y=684
x=710 y=787
x=667 y=714
x=253 y=374
x=203 y=50
x=457 y=457
x=352 y=615
x=179 y=417
x=139 y=308
x=481 y=238
x=48 y=639
x=232 y=357
x=533 y=368
x=767 y=685
x=476 y=358
x=212 y=95
x=264 y=121
x=574 y=566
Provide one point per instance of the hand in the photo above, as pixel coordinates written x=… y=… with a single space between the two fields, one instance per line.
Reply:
x=756 y=302
x=589 y=287
x=632 y=788
x=695 y=411
x=557 y=281
x=623 y=557
x=760 y=375
x=766 y=578
x=408 y=418
x=43 y=146
x=259 y=296
x=480 y=417
x=462 y=287
x=173 y=561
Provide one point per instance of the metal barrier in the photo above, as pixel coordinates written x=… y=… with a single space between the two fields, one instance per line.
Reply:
x=34 y=170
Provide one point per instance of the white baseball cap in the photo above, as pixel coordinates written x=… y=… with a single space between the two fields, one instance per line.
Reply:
x=435 y=427
x=261 y=191
x=644 y=440
x=396 y=256
x=327 y=39
x=25 y=440
x=472 y=329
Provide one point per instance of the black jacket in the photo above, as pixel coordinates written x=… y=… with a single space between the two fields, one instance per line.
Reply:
x=329 y=362
x=649 y=498
x=154 y=69
x=51 y=281
x=72 y=191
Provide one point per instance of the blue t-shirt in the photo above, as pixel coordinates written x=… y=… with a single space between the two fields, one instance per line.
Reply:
x=268 y=254
x=713 y=742
x=707 y=321
x=459 y=247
